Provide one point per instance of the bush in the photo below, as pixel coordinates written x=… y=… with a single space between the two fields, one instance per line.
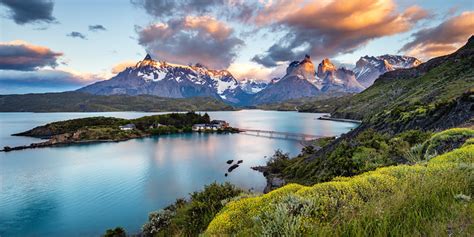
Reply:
x=366 y=158
x=307 y=150
x=285 y=217
x=415 y=154
x=117 y=232
x=190 y=217
x=157 y=221
x=446 y=141
x=278 y=162
x=205 y=205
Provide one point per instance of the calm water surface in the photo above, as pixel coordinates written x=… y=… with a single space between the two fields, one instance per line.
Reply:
x=82 y=190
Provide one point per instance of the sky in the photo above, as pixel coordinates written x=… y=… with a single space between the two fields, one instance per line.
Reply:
x=58 y=45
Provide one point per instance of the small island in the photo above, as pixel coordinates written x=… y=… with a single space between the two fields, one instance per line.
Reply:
x=109 y=129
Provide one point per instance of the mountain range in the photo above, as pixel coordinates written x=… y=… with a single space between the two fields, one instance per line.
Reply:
x=302 y=79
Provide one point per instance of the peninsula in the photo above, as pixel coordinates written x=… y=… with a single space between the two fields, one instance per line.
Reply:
x=109 y=129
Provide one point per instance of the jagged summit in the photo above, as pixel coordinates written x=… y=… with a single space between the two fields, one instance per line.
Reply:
x=306 y=59
x=147 y=57
x=326 y=66
x=147 y=61
x=303 y=69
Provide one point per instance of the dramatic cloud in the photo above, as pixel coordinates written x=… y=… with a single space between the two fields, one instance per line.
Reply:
x=328 y=28
x=187 y=40
x=30 y=11
x=76 y=34
x=22 y=56
x=442 y=39
x=42 y=81
x=97 y=28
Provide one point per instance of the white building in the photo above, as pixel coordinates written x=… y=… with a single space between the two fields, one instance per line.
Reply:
x=127 y=127
x=204 y=127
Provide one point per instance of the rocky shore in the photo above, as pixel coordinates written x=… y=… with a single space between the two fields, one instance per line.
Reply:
x=62 y=140
x=273 y=181
x=339 y=119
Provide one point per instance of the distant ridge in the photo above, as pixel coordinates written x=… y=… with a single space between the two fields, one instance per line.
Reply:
x=83 y=102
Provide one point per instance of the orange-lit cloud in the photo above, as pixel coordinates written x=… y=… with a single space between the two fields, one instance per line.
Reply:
x=327 y=28
x=208 y=24
x=23 y=56
x=442 y=39
x=243 y=71
x=122 y=66
x=25 y=67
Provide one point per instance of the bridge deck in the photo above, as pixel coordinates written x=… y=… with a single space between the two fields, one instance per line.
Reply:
x=298 y=136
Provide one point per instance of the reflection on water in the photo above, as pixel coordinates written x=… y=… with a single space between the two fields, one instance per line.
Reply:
x=82 y=190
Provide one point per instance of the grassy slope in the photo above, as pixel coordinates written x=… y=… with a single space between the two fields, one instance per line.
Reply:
x=429 y=198
x=81 y=102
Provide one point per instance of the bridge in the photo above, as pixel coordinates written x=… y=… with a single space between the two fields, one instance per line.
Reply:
x=275 y=134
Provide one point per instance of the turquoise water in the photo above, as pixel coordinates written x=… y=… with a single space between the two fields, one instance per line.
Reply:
x=82 y=190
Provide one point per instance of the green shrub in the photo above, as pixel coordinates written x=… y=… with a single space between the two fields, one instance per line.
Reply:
x=415 y=153
x=414 y=137
x=191 y=217
x=446 y=141
x=278 y=162
x=205 y=205
x=366 y=158
x=157 y=221
x=285 y=217
x=117 y=232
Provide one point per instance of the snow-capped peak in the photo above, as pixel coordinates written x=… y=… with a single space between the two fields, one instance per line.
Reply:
x=220 y=81
x=252 y=86
x=369 y=68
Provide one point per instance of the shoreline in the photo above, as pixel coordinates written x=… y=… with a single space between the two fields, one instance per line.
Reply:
x=51 y=143
x=340 y=119
x=67 y=143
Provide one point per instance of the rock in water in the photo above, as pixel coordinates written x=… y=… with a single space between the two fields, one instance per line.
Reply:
x=240 y=162
x=233 y=167
x=230 y=162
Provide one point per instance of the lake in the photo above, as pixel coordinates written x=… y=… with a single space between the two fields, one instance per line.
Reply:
x=82 y=190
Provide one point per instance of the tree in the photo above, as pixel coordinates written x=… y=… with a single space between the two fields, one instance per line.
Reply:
x=206 y=118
